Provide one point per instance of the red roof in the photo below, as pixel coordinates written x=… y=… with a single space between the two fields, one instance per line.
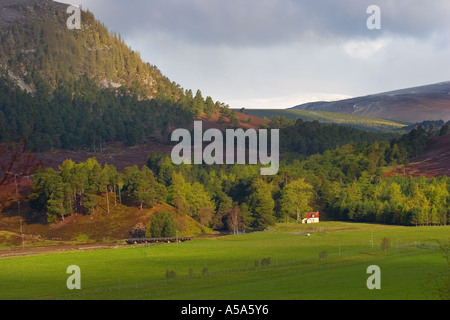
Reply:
x=311 y=215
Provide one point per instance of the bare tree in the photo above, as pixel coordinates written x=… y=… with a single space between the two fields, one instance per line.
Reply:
x=16 y=163
x=233 y=219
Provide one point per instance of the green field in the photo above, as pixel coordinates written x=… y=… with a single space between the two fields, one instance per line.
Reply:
x=356 y=121
x=295 y=271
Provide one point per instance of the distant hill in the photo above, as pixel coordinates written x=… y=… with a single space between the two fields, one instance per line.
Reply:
x=429 y=102
x=351 y=120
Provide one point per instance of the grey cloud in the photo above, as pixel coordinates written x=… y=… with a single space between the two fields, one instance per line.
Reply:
x=239 y=49
x=267 y=22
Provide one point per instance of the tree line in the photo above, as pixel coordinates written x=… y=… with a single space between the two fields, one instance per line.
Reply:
x=403 y=201
x=82 y=116
x=312 y=137
x=345 y=183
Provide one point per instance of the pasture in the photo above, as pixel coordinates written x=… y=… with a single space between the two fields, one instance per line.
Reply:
x=330 y=263
x=356 y=121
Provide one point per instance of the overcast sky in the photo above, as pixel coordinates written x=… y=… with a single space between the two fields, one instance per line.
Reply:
x=279 y=53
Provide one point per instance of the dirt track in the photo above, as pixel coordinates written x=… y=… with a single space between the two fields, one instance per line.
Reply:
x=19 y=251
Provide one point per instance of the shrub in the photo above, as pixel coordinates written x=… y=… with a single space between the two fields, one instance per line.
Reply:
x=265 y=262
x=162 y=225
x=138 y=231
x=170 y=274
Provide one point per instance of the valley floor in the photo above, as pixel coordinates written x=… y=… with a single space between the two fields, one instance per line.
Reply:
x=325 y=261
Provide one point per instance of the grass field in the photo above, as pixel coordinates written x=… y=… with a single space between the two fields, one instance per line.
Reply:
x=357 y=121
x=295 y=271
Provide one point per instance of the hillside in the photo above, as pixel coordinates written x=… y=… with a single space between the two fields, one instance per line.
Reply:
x=99 y=227
x=435 y=161
x=80 y=90
x=430 y=102
x=355 y=121
x=36 y=46
x=121 y=156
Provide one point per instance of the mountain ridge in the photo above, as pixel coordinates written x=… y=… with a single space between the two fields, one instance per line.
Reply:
x=413 y=105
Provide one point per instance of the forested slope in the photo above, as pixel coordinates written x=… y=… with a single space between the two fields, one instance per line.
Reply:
x=77 y=89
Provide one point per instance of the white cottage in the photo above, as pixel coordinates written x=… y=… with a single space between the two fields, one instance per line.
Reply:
x=311 y=217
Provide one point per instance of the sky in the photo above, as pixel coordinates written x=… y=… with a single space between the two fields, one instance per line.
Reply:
x=281 y=53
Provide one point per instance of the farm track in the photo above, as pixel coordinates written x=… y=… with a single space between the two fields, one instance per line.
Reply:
x=54 y=249
x=17 y=252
